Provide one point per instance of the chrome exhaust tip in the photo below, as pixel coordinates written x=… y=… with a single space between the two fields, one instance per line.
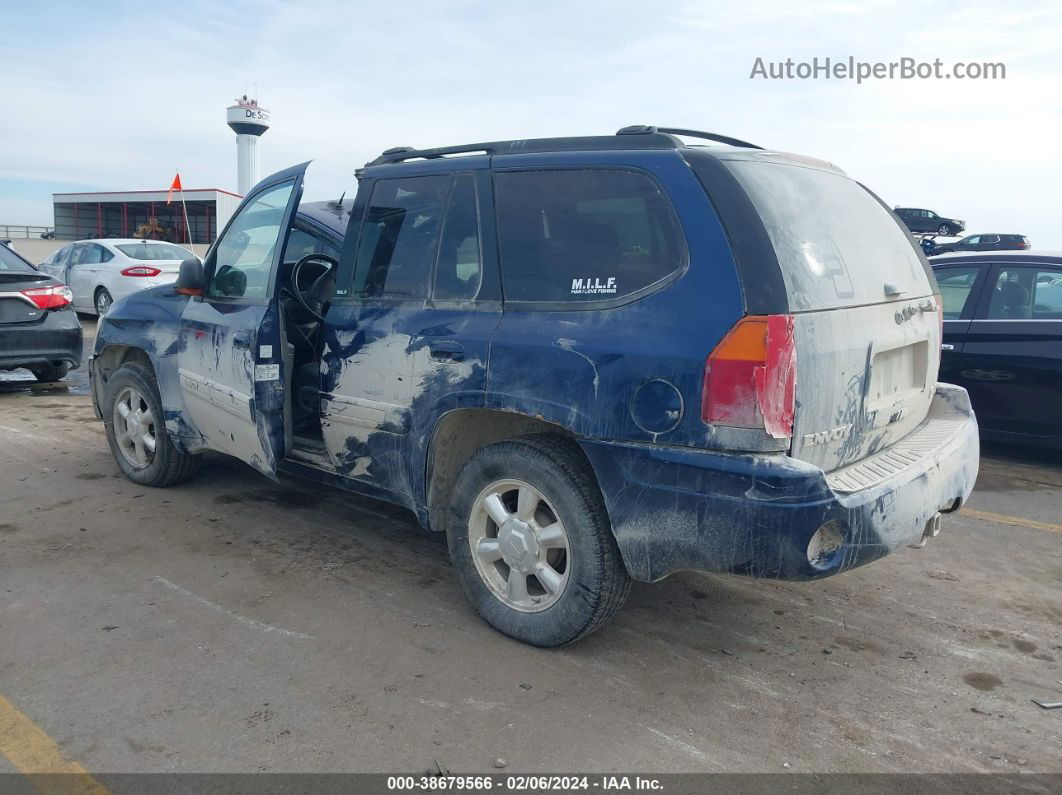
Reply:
x=932 y=530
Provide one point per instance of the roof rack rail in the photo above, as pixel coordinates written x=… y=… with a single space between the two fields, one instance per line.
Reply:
x=648 y=137
x=648 y=129
x=399 y=154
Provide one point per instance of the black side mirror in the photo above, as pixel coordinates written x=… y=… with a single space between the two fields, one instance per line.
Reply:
x=191 y=279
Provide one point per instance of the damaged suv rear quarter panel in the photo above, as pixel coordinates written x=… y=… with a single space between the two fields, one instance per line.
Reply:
x=580 y=366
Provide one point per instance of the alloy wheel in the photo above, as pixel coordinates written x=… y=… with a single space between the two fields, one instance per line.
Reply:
x=519 y=545
x=134 y=428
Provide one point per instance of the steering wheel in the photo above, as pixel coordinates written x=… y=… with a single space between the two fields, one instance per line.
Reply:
x=312 y=301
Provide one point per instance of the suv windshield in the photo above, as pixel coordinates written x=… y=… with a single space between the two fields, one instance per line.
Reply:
x=836 y=245
x=10 y=261
x=153 y=251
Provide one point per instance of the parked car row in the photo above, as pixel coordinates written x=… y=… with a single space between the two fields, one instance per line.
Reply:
x=927 y=225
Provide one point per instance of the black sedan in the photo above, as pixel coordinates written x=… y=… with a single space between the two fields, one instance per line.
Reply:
x=1003 y=340
x=39 y=329
x=984 y=243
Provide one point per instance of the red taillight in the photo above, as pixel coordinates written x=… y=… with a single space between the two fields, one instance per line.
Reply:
x=53 y=297
x=750 y=377
x=141 y=270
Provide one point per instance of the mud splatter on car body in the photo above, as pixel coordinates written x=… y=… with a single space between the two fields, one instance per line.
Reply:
x=848 y=435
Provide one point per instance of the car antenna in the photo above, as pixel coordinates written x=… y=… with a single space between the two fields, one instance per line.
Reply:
x=339 y=203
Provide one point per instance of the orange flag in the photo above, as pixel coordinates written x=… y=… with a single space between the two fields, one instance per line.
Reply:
x=175 y=186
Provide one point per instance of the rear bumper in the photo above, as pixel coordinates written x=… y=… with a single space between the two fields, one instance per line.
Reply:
x=52 y=339
x=675 y=509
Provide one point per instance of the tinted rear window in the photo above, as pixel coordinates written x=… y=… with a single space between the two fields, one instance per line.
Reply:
x=10 y=261
x=579 y=235
x=153 y=251
x=836 y=245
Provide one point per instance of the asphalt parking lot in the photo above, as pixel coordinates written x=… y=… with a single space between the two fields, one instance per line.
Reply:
x=231 y=625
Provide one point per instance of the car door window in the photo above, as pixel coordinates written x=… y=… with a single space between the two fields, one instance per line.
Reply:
x=10 y=260
x=990 y=239
x=1012 y=295
x=57 y=262
x=1047 y=295
x=91 y=254
x=303 y=241
x=972 y=241
x=955 y=286
x=61 y=265
x=458 y=271
x=399 y=237
x=243 y=258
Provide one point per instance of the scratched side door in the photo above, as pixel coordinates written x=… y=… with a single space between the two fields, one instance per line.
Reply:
x=411 y=339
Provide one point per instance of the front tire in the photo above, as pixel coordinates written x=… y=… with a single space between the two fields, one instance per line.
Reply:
x=944 y=230
x=102 y=301
x=531 y=541
x=136 y=430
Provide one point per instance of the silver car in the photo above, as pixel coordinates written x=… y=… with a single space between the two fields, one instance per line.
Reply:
x=99 y=272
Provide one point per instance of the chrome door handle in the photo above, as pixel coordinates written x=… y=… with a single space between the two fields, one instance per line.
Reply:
x=947 y=346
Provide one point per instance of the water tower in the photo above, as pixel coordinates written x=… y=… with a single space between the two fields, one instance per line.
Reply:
x=248 y=120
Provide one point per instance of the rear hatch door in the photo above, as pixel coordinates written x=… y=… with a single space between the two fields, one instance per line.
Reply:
x=866 y=324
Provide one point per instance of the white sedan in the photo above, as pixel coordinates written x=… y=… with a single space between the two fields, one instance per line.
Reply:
x=99 y=272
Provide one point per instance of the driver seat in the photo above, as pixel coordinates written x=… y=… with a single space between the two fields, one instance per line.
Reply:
x=305 y=339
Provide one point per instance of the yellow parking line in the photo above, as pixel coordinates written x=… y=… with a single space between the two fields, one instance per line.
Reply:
x=1002 y=518
x=35 y=754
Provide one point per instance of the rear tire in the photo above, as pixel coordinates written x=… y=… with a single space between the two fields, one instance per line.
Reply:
x=54 y=373
x=584 y=580
x=102 y=301
x=136 y=430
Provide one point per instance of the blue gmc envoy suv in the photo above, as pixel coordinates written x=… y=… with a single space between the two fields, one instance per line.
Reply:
x=586 y=360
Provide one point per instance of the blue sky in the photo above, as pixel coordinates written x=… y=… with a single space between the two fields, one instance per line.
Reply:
x=116 y=95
